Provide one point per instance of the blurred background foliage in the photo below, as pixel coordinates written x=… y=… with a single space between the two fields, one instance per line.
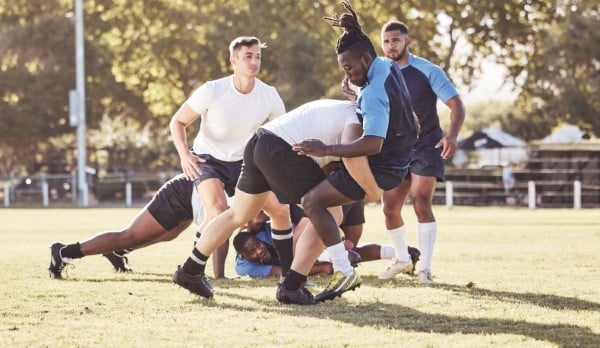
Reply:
x=143 y=58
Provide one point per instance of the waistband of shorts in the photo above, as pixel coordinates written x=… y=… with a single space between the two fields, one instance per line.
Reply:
x=262 y=131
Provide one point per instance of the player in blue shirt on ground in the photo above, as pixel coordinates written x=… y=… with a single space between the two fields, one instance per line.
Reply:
x=257 y=257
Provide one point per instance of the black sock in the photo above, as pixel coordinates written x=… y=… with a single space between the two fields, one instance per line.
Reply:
x=284 y=244
x=293 y=280
x=122 y=251
x=196 y=263
x=71 y=251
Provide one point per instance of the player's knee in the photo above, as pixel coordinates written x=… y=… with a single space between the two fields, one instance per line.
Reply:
x=391 y=210
x=129 y=240
x=215 y=209
x=235 y=218
x=309 y=203
x=279 y=212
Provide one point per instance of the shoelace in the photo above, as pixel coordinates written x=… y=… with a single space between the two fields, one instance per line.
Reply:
x=207 y=283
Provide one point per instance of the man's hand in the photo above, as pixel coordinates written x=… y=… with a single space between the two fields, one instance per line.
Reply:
x=312 y=147
x=189 y=165
x=348 y=245
x=449 y=146
x=347 y=90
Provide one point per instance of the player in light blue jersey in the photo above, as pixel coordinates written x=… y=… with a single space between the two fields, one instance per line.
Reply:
x=426 y=83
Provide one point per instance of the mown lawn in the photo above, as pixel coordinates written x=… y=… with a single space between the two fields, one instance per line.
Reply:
x=504 y=277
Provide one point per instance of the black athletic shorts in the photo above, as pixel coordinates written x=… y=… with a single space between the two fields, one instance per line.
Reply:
x=386 y=180
x=227 y=172
x=270 y=164
x=354 y=214
x=428 y=162
x=296 y=213
x=172 y=203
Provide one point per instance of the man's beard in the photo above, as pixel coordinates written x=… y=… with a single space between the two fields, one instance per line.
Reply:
x=399 y=56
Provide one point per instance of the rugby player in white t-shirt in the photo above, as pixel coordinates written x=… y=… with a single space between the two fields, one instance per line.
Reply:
x=230 y=109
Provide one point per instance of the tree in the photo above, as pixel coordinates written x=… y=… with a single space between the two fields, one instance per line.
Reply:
x=143 y=59
x=33 y=69
x=562 y=80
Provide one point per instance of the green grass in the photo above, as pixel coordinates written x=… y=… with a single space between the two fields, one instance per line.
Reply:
x=536 y=276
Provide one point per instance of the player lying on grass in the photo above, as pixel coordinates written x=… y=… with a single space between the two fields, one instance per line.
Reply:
x=256 y=256
x=172 y=209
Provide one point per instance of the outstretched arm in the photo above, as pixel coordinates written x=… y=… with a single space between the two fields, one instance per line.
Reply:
x=363 y=146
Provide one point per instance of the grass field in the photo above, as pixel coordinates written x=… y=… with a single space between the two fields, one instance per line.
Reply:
x=536 y=276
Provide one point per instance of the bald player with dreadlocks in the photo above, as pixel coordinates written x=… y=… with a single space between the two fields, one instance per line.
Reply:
x=389 y=133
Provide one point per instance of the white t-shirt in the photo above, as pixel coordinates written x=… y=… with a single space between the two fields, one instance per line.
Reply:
x=323 y=119
x=229 y=118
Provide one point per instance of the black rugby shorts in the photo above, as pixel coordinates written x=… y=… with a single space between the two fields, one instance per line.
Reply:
x=270 y=164
x=227 y=172
x=172 y=203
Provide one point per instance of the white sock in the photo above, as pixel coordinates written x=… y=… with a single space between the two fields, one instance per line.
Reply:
x=324 y=257
x=398 y=237
x=339 y=258
x=426 y=233
x=387 y=252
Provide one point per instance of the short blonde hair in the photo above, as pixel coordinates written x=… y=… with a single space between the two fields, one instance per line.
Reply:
x=244 y=41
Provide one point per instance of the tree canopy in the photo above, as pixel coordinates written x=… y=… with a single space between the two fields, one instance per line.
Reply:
x=144 y=58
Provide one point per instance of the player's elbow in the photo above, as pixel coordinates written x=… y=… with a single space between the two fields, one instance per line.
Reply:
x=372 y=145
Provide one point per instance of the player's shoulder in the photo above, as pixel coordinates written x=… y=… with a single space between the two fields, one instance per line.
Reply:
x=266 y=89
x=373 y=91
x=417 y=60
x=263 y=85
x=219 y=84
x=424 y=65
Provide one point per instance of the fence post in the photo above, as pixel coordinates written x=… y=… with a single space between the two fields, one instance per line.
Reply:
x=577 y=194
x=531 y=194
x=449 y=194
x=128 y=194
x=45 y=196
x=6 y=194
x=74 y=187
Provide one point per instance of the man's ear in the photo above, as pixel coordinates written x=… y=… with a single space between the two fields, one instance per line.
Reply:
x=366 y=59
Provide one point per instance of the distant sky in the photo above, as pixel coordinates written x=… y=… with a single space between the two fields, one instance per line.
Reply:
x=489 y=87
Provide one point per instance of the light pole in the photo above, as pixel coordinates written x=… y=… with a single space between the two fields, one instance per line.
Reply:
x=82 y=187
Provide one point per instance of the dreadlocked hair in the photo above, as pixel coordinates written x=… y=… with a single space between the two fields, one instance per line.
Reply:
x=353 y=38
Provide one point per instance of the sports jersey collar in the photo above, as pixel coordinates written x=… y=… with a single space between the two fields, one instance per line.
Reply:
x=411 y=59
x=377 y=66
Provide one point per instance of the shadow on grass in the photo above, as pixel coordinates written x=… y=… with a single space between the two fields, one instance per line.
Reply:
x=541 y=300
x=396 y=317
